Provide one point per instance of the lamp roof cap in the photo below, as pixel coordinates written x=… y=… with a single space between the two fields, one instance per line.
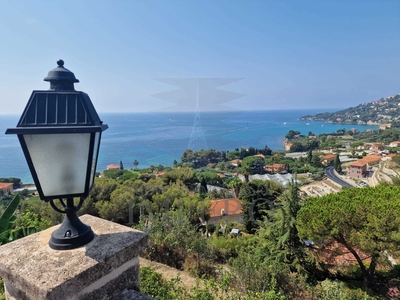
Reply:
x=60 y=74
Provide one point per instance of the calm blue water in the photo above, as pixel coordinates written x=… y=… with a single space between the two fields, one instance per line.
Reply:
x=154 y=139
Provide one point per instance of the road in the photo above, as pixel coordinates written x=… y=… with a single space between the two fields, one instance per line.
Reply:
x=331 y=174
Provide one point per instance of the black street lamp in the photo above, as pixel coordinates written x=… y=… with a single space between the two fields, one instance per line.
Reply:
x=60 y=133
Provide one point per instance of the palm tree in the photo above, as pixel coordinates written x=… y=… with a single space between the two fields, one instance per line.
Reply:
x=135 y=163
x=235 y=184
x=246 y=171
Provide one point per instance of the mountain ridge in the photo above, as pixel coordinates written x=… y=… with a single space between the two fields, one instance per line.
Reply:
x=384 y=110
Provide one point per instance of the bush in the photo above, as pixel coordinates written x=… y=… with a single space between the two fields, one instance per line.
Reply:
x=198 y=267
x=152 y=284
x=329 y=289
x=223 y=248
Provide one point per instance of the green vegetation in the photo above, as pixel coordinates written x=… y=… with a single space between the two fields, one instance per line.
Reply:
x=272 y=257
x=337 y=165
x=384 y=110
x=203 y=158
x=153 y=284
x=258 y=198
x=364 y=221
x=7 y=220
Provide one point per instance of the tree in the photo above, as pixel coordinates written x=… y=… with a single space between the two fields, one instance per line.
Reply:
x=316 y=160
x=121 y=208
x=257 y=197
x=337 y=165
x=362 y=220
x=309 y=156
x=281 y=235
x=121 y=165
x=297 y=147
x=246 y=171
x=233 y=155
x=184 y=175
x=235 y=184
x=203 y=186
x=291 y=134
x=255 y=164
x=341 y=131
x=135 y=163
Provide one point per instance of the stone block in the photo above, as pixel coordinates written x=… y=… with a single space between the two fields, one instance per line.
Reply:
x=101 y=269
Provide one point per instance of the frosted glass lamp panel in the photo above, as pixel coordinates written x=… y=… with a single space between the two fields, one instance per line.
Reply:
x=94 y=159
x=60 y=161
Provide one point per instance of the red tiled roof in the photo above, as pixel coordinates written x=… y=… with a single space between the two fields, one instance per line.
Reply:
x=232 y=206
x=259 y=155
x=275 y=166
x=4 y=185
x=235 y=161
x=358 y=163
x=113 y=167
x=371 y=158
x=329 y=156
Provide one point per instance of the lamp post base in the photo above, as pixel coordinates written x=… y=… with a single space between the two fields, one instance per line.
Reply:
x=71 y=234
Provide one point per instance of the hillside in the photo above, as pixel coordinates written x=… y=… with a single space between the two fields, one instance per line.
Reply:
x=385 y=110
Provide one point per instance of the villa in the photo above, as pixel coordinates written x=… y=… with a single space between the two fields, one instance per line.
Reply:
x=5 y=188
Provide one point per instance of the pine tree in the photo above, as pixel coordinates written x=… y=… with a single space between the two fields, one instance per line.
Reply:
x=281 y=235
x=203 y=186
x=309 y=156
x=337 y=165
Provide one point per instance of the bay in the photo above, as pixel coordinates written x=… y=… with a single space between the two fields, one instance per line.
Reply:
x=159 y=138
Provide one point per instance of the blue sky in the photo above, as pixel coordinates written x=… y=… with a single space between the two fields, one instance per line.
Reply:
x=290 y=54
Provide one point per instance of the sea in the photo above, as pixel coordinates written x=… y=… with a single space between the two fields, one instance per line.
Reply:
x=160 y=138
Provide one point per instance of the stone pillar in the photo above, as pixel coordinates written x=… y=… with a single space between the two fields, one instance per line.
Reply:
x=102 y=269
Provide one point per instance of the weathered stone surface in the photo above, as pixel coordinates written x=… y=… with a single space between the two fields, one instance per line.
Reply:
x=32 y=270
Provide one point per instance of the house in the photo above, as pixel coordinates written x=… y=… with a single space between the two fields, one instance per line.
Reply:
x=158 y=174
x=113 y=167
x=372 y=159
x=328 y=159
x=236 y=162
x=353 y=130
x=394 y=144
x=358 y=169
x=275 y=168
x=259 y=155
x=385 y=126
x=362 y=147
x=288 y=146
x=5 y=188
x=229 y=210
x=377 y=147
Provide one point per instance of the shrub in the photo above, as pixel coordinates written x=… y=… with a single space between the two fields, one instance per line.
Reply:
x=152 y=284
x=198 y=267
x=329 y=289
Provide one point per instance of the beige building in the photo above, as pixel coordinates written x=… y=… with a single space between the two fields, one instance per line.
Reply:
x=5 y=188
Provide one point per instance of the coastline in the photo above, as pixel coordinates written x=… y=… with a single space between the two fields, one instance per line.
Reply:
x=154 y=139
